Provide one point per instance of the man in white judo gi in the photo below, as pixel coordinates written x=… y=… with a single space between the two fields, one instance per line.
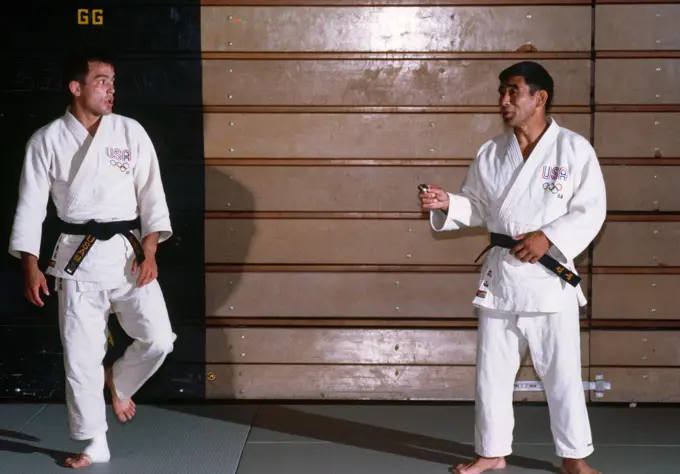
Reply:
x=539 y=190
x=102 y=172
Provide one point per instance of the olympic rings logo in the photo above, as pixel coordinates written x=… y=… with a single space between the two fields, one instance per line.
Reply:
x=122 y=166
x=552 y=187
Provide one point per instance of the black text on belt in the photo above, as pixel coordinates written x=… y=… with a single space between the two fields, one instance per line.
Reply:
x=93 y=231
x=507 y=242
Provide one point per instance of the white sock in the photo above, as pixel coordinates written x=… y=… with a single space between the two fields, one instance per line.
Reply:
x=98 y=449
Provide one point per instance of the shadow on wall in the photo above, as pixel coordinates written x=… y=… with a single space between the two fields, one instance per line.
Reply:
x=227 y=241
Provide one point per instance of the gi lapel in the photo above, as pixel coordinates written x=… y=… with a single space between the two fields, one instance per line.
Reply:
x=536 y=157
x=90 y=163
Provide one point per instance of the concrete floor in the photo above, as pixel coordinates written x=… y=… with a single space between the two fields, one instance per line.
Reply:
x=329 y=439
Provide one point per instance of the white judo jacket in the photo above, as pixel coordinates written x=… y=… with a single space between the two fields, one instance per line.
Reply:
x=560 y=190
x=113 y=176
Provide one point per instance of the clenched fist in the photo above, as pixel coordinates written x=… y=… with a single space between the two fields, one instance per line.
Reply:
x=434 y=198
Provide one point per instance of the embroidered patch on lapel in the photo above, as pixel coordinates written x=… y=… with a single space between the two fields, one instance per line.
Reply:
x=120 y=158
x=481 y=294
x=556 y=173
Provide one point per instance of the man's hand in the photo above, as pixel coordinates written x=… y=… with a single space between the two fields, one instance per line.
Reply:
x=148 y=270
x=34 y=280
x=434 y=198
x=532 y=247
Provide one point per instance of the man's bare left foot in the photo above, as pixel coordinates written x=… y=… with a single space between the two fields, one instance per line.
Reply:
x=78 y=461
x=480 y=465
x=124 y=409
x=577 y=466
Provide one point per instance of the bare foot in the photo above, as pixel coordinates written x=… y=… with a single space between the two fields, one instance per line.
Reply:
x=577 y=466
x=124 y=409
x=78 y=461
x=481 y=465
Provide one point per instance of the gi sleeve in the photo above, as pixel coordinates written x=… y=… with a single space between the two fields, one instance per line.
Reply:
x=34 y=191
x=467 y=208
x=587 y=209
x=153 y=208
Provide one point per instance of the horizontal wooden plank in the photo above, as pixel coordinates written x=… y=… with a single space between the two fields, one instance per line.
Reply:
x=654 y=188
x=639 y=385
x=342 y=189
x=637 y=27
x=613 y=216
x=350 y=382
x=368 y=109
x=637 y=135
x=413 y=82
x=404 y=323
x=632 y=297
x=637 y=81
x=337 y=189
x=639 y=270
x=346 y=242
x=328 y=241
x=359 y=136
x=393 y=295
x=460 y=162
x=520 y=55
x=349 y=346
x=350 y=295
x=638 y=244
x=371 y=3
x=642 y=348
x=545 y=28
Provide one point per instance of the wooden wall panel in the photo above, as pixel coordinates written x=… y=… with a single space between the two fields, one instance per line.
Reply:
x=635 y=297
x=637 y=81
x=357 y=136
x=377 y=82
x=387 y=295
x=637 y=27
x=329 y=188
x=351 y=346
x=338 y=241
x=319 y=124
x=638 y=244
x=642 y=188
x=351 y=382
x=643 y=348
x=341 y=294
x=639 y=384
x=393 y=188
x=633 y=135
x=389 y=29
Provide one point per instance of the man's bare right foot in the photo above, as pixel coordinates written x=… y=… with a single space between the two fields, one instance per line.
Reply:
x=577 y=466
x=124 y=409
x=480 y=465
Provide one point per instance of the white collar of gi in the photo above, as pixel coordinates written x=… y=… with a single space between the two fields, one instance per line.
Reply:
x=76 y=127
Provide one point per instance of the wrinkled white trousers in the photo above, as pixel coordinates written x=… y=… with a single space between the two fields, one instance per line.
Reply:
x=83 y=318
x=555 y=345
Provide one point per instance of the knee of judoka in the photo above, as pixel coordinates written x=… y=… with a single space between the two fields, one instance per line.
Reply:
x=161 y=346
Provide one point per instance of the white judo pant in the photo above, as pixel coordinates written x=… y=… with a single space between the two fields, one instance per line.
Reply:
x=554 y=341
x=83 y=318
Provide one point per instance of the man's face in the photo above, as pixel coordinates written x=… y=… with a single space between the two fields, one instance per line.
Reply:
x=95 y=95
x=517 y=105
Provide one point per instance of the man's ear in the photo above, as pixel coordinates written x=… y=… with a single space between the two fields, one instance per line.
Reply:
x=74 y=87
x=542 y=98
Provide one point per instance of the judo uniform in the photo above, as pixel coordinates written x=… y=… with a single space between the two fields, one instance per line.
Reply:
x=113 y=176
x=560 y=190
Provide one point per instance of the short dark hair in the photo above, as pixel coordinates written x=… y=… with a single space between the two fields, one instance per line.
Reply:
x=535 y=75
x=77 y=65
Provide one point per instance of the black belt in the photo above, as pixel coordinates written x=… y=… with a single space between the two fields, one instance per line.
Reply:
x=507 y=242
x=94 y=231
